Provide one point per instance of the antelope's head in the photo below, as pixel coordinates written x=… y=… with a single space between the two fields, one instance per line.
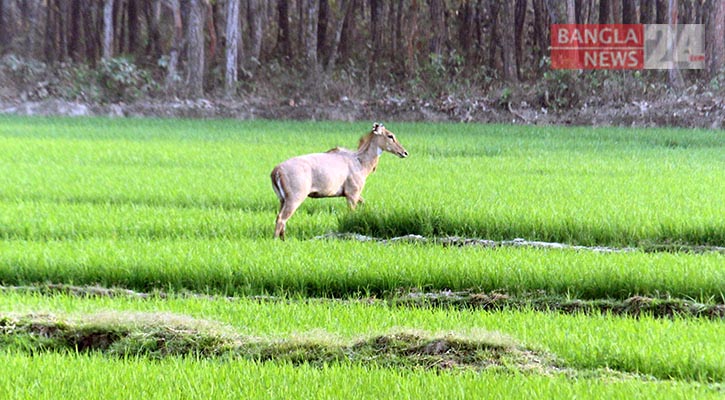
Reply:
x=387 y=141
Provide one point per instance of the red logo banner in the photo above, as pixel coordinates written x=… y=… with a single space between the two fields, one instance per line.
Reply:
x=597 y=46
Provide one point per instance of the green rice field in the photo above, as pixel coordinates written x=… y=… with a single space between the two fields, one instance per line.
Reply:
x=137 y=261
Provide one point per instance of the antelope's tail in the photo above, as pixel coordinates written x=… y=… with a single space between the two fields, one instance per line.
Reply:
x=277 y=184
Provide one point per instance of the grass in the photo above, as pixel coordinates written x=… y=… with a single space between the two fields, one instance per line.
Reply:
x=52 y=376
x=344 y=268
x=185 y=206
x=580 y=186
x=679 y=348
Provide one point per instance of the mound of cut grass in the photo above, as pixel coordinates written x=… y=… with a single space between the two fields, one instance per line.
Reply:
x=155 y=335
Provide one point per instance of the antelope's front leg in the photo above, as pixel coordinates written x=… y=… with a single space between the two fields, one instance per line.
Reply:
x=353 y=189
x=353 y=200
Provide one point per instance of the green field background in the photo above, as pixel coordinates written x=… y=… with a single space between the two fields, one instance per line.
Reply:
x=183 y=210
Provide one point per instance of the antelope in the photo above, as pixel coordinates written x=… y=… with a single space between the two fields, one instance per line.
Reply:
x=338 y=172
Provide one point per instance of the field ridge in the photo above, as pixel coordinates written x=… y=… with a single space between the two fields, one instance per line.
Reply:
x=635 y=306
x=458 y=241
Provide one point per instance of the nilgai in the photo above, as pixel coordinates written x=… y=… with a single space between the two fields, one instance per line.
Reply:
x=336 y=173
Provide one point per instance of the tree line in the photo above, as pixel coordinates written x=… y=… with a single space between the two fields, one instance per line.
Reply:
x=200 y=45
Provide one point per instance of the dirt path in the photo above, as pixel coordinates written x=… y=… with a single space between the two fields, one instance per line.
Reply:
x=690 y=111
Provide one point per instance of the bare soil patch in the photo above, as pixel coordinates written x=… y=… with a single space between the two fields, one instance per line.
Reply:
x=688 y=110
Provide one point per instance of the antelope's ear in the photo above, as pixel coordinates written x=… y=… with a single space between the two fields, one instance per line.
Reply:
x=377 y=128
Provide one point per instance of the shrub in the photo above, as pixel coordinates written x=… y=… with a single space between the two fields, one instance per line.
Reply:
x=121 y=79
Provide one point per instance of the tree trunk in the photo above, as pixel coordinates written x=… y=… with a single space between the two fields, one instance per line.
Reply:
x=551 y=7
x=60 y=9
x=3 y=29
x=508 y=40
x=648 y=11
x=255 y=23
x=195 y=49
x=52 y=32
x=119 y=23
x=323 y=20
x=74 y=45
x=90 y=34
x=152 y=11
x=348 y=34
x=376 y=34
x=661 y=11
x=570 y=12
x=232 y=47
x=715 y=37
x=30 y=15
x=438 y=26
x=284 y=46
x=108 y=29
x=519 y=28
x=376 y=28
x=211 y=28
x=675 y=75
x=494 y=43
x=583 y=11
x=617 y=11
x=412 y=35
x=629 y=12
x=172 y=75
x=398 y=39
x=132 y=22
x=310 y=35
x=541 y=29
x=342 y=16
x=300 y=48
x=48 y=34
x=466 y=27
x=390 y=46
x=605 y=12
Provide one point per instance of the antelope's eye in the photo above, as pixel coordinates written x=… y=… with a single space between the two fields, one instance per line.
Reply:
x=390 y=136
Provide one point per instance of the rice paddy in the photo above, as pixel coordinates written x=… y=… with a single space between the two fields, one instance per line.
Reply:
x=171 y=220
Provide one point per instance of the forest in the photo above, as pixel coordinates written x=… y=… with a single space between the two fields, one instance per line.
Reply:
x=198 y=48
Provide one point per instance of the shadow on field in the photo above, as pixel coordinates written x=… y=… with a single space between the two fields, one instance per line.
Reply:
x=248 y=205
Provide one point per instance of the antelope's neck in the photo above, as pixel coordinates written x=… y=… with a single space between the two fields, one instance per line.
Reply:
x=369 y=154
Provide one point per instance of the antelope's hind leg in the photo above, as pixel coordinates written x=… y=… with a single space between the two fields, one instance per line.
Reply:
x=287 y=208
x=279 y=225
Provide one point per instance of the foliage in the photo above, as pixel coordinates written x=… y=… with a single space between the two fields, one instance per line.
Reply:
x=717 y=83
x=78 y=83
x=433 y=47
x=116 y=79
x=23 y=70
x=559 y=89
x=121 y=79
